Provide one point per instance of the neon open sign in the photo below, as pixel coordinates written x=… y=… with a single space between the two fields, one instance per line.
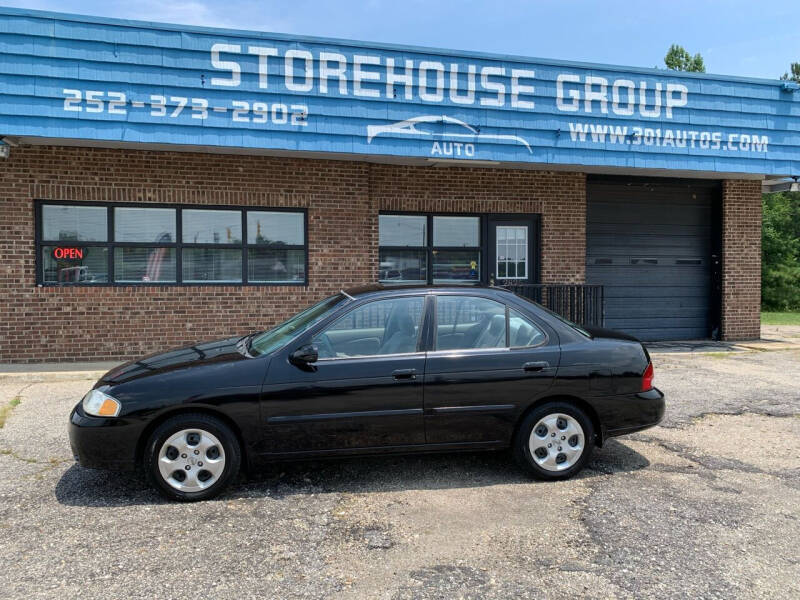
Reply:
x=68 y=253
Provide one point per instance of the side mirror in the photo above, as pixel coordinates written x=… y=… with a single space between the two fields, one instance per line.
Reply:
x=304 y=355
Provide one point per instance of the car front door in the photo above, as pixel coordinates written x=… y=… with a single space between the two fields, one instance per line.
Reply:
x=364 y=391
x=488 y=362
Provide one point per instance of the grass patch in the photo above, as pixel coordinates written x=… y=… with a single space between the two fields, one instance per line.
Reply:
x=780 y=318
x=6 y=410
x=7 y=452
x=719 y=354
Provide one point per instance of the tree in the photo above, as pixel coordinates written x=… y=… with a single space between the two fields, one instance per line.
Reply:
x=678 y=59
x=795 y=73
x=780 y=248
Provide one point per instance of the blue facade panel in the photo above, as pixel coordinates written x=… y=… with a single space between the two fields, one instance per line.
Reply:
x=84 y=78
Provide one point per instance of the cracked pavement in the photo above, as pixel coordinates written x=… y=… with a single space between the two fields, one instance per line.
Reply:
x=706 y=505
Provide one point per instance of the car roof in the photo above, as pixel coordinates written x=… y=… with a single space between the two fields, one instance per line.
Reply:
x=379 y=290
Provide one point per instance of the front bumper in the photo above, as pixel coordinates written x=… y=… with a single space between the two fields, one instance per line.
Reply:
x=634 y=412
x=103 y=443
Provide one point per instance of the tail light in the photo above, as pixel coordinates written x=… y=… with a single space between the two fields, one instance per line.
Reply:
x=647 y=378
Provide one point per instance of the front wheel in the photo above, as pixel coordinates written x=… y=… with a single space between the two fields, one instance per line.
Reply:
x=192 y=457
x=554 y=441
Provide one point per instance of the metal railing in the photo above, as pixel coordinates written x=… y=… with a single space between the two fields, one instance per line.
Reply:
x=580 y=303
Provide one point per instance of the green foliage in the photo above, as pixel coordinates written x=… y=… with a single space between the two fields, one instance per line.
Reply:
x=780 y=318
x=780 y=248
x=678 y=59
x=794 y=75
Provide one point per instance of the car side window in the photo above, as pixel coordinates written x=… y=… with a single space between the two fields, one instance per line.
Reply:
x=467 y=322
x=382 y=327
x=522 y=332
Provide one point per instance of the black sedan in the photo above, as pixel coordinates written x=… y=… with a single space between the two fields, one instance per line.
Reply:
x=372 y=370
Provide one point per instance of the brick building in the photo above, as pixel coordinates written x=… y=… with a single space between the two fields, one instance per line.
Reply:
x=168 y=184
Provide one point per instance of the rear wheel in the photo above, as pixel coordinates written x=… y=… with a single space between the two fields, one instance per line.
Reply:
x=192 y=457
x=554 y=441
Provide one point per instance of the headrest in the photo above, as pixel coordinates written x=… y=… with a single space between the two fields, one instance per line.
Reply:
x=497 y=324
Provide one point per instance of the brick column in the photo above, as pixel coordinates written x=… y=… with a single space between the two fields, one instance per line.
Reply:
x=741 y=259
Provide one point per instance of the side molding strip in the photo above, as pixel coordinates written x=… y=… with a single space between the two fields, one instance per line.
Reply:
x=343 y=415
x=476 y=408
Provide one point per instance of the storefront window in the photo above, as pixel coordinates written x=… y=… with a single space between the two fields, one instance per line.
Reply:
x=74 y=223
x=216 y=265
x=106 y=244
x=456 y=231
x=403 y=230
x=151 y=225
x=452 y=254
x=456 y=266
x=403 y=266
x=276 y=247
x=212 y=226
x=266 y=265
x=143 y=265
x=275 y=228
x=69 y=265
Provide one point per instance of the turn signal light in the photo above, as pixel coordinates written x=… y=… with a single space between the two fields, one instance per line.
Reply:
x=108 y=408
x=647 y=378
x=100 y=405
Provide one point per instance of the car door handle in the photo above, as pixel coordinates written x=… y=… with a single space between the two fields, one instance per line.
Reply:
x=535 y=366
x=404 y=374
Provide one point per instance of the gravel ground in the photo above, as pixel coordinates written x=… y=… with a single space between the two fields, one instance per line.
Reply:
x=707 y=505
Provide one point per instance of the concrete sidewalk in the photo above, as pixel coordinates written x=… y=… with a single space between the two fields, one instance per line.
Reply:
x=773 y=337
x=57 y=371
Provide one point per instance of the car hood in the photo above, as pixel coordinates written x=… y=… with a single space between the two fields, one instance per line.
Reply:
x=600 y=332
x=206 y=353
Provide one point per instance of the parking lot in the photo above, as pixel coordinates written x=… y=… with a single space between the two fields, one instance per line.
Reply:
x=706 y=505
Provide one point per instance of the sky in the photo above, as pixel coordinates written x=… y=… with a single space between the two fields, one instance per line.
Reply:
x=752 y=38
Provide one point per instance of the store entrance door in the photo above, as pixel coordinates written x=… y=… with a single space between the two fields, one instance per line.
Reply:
x=513 y=249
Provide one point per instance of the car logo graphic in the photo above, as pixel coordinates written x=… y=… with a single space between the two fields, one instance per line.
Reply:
x=409 y=127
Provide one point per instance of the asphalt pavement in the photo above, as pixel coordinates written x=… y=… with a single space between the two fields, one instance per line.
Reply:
x=705 y=505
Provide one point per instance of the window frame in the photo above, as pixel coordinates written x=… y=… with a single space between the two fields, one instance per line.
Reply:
x=245 y=246
x=435 y=324
x=421 y=334
x=527 y=261
x=432 y=344
x=533 y=322
x=429 y=248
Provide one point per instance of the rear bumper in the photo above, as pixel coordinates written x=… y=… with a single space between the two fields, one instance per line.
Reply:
x=634 y=412
x=101 y=443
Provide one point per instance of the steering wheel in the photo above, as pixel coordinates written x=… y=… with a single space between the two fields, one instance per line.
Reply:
x=324 y=346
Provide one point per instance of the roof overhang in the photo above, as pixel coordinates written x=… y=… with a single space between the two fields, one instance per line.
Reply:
x=70 y=79
x=386 y=159
x=780 y=184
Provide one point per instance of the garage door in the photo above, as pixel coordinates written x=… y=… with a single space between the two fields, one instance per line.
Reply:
x=650 y=244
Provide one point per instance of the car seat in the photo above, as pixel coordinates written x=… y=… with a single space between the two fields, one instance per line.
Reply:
x=494 y=336
x=526 y=335
x=399 y=335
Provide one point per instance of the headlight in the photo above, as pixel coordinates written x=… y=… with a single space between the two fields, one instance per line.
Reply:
x=100 y=405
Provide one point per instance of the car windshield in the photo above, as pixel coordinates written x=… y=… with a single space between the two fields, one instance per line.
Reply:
x=266 y=342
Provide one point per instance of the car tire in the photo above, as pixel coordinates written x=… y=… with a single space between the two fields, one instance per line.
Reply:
x=554 y=441
x=191 y=457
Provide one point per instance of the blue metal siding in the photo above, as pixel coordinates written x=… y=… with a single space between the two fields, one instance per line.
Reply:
x=44 y=54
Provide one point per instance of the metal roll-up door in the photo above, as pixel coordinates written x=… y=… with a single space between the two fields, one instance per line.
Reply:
x=650 y=245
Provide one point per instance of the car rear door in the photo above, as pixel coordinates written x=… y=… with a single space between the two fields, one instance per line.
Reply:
x=487 y=362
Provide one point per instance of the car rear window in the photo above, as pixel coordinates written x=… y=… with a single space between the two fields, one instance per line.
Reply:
x=564 y=320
